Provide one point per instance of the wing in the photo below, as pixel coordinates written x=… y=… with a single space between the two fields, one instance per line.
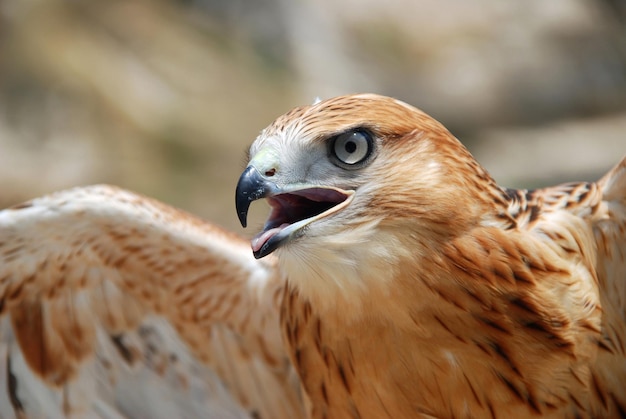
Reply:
x=602 y=208
x=114 y=305
x=610 y=235
x=586 y=224
x=609 y=229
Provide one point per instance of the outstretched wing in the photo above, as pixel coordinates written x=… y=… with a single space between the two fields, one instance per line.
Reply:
x=115 y=305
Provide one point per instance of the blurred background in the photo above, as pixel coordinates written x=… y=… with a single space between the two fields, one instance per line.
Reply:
x=163 y=97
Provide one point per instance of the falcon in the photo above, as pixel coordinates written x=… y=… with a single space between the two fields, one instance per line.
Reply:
x=393 y=278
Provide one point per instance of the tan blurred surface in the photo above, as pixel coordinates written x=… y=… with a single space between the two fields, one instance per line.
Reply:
x=163 y=97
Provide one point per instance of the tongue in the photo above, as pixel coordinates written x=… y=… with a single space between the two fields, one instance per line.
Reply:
x=260 y=239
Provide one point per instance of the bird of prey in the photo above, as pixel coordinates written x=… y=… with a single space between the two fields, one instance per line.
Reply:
x=393 y=278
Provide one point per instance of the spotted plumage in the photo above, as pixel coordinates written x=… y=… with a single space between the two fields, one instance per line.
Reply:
x=394 y=278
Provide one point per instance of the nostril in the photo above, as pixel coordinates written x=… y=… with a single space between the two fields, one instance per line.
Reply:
x=270 y=173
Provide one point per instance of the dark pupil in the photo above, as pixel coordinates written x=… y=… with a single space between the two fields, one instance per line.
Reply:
x=350 y=147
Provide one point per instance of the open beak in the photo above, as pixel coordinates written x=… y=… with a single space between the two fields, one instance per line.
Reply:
x=292 y=208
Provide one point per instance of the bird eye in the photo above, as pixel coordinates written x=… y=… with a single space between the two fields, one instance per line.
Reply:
x=351 y=148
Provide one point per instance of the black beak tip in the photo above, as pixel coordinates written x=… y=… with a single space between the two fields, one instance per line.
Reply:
x=243 y=219
x=242 y=203
x=251 y=186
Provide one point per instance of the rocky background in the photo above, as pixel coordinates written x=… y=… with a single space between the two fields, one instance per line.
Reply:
x=163 y=97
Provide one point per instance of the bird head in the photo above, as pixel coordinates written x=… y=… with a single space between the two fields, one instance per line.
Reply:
x=350 y=177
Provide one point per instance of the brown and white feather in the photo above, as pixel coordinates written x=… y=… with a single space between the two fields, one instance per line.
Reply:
x=116 y=303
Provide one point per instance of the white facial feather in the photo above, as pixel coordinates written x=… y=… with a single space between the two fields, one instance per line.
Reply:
x=337 y=262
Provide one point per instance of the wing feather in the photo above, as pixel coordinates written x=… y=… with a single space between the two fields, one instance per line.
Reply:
x=116 y=305
x=586 y=223
x=610 y=233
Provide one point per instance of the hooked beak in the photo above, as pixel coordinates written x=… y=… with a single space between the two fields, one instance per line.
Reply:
x=293 y=208
x=251 y=186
